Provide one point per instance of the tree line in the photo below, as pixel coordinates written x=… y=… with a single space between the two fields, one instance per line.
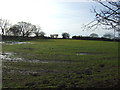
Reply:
x=24 y=29
x=94 y=38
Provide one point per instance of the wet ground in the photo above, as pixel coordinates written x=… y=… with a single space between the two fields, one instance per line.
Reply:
x=87 y=53
x=14 y=42
x=11 y=57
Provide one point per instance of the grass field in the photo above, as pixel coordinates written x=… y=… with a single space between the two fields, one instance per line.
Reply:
x=64 y=66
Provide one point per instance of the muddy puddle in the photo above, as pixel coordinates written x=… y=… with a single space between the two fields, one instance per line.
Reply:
x=13 y=42
x=8 y=56
x=11 y=57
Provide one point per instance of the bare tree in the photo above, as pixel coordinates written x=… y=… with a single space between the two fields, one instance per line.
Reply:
x=42 y=34
x=109 y=16
x=37 y=31
x=15 y=30
x=26 y=28
x=30 y=30
x=4 y=26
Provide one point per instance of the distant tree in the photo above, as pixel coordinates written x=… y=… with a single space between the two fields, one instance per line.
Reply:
x=108 y=35
x=65 y=35
x=93 y=35
x=37 y=31
x=42 y=34
x=26 y=28
x=54 y=35
x=4 y=26
x=31 y=30
x=15 y=30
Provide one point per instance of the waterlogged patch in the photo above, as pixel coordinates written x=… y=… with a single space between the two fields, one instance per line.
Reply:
x=13 y=42
x=86 y=53
x=9 y=56
x=51 y=61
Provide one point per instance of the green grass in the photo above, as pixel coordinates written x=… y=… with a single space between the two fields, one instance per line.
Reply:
x=81 y=71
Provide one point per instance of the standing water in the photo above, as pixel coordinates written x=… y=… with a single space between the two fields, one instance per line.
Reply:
x=13 y=42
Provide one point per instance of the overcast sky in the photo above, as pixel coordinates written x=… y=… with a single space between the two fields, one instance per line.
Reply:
x=54 y=16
